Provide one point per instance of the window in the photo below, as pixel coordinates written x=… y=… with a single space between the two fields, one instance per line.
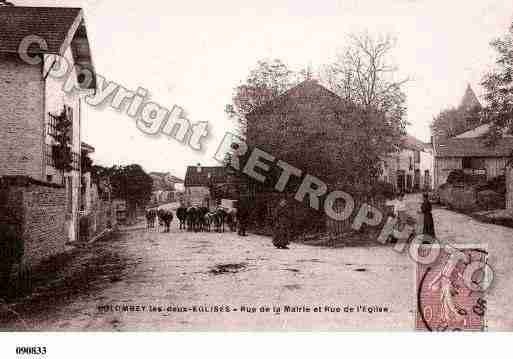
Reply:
x=69 y=115
x=51 y=126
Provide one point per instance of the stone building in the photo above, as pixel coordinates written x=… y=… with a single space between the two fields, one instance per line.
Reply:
x=468 y=151
x=31 y=96
x=410 y=169
x=202 y=185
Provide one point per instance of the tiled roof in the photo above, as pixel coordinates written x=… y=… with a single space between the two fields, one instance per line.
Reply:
x=60 y=27
x=193 y=177
x=86 y=147
x=473 y=147
x=50 y=23
x=412 y=143
x=295 y=91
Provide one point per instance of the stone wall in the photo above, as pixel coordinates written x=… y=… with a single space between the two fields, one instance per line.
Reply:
x=37 y=209
x=21 y=118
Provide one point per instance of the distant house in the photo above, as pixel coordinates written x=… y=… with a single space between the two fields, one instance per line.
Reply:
x=469 y=152
x=30 y=98
x=410 y=169
x=201 y=183
x=165 y=187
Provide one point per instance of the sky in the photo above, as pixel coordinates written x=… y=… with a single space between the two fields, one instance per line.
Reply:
x=193 y=53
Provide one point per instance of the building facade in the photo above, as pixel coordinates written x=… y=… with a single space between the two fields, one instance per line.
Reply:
x=32 y=96
x=410 y=169
x=205 y=186
x=468 y=150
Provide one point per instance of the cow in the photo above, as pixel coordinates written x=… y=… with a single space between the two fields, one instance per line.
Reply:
x=151 y=214
x=166 y=217
x=193 y=221
x=202 y=213
x=181 y=214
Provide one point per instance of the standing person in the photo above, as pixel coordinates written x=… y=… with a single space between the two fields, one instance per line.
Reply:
x=429 y=225
x=281 y=235
x=242 y=217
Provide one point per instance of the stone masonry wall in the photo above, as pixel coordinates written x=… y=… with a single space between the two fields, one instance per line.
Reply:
x=21 y=118
x=40 y=216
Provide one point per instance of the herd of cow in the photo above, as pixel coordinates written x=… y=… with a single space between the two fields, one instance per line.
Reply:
x=197 y=219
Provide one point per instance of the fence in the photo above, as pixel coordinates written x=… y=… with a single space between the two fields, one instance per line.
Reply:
x=338 y=228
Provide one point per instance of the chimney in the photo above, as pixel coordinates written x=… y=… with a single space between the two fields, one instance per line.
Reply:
x=198 y=167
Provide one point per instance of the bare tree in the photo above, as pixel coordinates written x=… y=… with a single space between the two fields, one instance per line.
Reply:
x=363 y=75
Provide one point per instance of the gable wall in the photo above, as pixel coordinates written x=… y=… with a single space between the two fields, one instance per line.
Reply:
x=21 y=118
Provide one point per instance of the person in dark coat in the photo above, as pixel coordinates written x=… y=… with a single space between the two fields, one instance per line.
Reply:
x=242 y=218
x=429 y=225
x=282 y=223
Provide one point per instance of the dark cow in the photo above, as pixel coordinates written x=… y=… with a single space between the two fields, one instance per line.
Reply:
x=193 y=219
x=231 y=219
x=151 y=214
x=165 y=217
x=220 y=216
x=202 y=214
x=181 y=214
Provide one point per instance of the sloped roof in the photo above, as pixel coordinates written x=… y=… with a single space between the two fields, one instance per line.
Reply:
x=294 y=91
x=86 y=147
x=412 y=143
x=473 y=147
x=60 y=27
x=193 y=177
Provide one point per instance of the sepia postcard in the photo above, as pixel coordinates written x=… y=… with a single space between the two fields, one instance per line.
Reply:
x=333 y=165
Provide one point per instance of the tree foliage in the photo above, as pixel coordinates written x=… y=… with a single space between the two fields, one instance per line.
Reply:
x=267 y=80
x=498 y=86
x=375 y=117
x=131 y=183
x=370 y=124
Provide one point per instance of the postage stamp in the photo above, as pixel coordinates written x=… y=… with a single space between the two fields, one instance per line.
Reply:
x=451 y=290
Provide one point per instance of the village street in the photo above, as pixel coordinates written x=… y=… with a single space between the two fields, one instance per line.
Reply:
x=140 y=267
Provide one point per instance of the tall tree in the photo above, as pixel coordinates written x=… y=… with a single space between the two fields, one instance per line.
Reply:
x=364 y=76
x=498 y=85
x=130 y=183
x=267 y=80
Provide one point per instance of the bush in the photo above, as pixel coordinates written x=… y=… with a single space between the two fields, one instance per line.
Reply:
x=384 y=189
x=460 y=177
x=496 y=184
x=489 y=199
